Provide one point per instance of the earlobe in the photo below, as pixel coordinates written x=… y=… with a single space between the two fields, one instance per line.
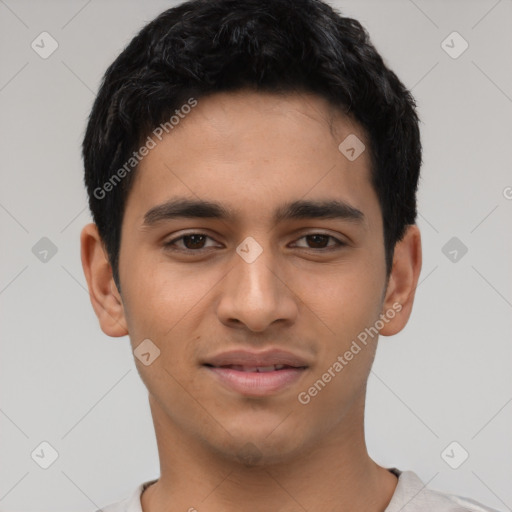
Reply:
x=407 y=260
x=105 y=298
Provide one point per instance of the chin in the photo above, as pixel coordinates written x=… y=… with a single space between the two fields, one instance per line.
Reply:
x=259 y=449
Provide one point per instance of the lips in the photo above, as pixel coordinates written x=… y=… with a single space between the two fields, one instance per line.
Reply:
x=261 y=369
x=256 y=374
x=248 y=359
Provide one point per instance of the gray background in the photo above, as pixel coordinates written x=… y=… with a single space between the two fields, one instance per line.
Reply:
x=445 y=378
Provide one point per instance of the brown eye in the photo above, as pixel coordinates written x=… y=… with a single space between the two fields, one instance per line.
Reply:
x=319 y=241
x=193 y=242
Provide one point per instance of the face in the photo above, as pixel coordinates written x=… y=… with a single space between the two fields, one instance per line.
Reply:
x=284 y=266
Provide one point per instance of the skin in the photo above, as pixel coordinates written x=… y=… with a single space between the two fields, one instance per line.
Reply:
x=218 y=449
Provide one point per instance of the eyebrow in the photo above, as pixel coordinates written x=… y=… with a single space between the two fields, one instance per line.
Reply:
x=300 y=209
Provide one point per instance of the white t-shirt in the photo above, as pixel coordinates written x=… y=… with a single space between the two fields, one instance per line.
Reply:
x=410 y=495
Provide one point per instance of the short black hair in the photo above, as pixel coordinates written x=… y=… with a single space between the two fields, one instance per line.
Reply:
x=201 y=47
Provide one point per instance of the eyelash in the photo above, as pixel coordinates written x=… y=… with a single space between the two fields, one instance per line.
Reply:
x=169 y=245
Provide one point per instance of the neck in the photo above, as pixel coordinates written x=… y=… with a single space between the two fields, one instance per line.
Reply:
x=335 y=474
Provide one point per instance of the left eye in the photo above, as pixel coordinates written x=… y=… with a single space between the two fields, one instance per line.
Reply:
x=319 y=238
x=194 y=242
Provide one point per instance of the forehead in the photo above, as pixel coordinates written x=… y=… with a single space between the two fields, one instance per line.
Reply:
x=275 y=118
x=252 y=149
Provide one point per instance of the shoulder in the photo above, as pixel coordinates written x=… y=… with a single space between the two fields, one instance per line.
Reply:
x=130 y=504
x=412 y=495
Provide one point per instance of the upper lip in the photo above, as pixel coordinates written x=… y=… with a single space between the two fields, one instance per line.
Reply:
x=253 y=359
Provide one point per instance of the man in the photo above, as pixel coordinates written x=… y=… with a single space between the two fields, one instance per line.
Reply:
x=252 y=169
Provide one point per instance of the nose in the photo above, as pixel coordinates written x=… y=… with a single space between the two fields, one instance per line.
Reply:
x=256 y=294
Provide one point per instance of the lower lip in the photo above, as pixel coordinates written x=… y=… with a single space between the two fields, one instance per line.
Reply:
x=257 y=383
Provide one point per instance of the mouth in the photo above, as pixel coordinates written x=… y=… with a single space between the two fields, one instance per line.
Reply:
x=258 y=369
x=256 y=374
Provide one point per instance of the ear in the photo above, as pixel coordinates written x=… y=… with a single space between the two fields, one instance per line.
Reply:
x=403 y=281
x=105 y=298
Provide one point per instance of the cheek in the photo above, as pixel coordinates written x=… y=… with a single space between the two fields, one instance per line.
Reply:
x=347 y=306
x=161 y=305
x=346 y=298
x=165 y=301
